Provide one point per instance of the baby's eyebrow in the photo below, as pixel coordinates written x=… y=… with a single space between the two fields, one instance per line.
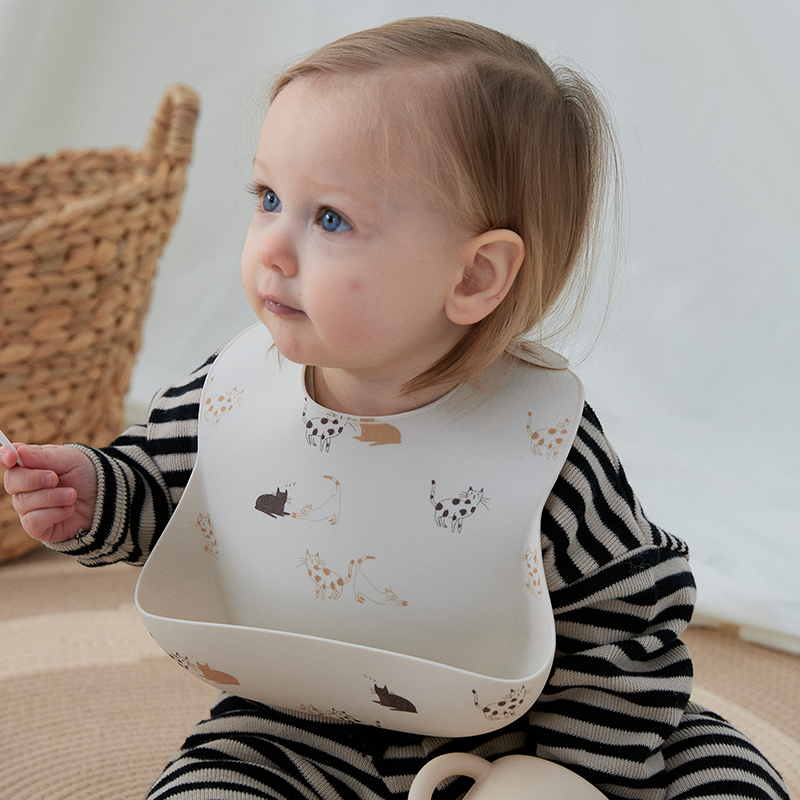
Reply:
x=359 y=198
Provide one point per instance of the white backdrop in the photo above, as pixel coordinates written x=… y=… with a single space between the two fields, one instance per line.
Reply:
x=696 y=377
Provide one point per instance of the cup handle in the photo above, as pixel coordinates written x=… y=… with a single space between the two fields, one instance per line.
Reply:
x=441 y=767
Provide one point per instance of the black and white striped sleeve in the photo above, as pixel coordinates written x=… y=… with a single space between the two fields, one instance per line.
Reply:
x=141 y=476
x=616 y=708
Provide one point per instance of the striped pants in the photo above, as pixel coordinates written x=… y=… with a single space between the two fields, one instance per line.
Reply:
x=246 y=751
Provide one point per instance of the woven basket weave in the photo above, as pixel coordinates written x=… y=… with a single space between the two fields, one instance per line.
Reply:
x=81 y=233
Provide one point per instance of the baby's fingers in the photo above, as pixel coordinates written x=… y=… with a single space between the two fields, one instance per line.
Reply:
x=26 y=503
x=22 y=479
x=45 y=524
x=8 y=457
x=42 y=512
x=55 y=491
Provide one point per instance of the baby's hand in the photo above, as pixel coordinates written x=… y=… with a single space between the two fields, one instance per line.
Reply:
x=55 y=491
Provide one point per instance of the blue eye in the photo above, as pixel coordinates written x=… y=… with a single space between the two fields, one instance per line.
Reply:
x=331 y=222
x=270 y=201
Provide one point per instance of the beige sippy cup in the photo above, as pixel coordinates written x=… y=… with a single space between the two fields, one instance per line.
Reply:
x=509 y=778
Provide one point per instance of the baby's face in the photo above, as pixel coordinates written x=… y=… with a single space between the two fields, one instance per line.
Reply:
x=349 y=269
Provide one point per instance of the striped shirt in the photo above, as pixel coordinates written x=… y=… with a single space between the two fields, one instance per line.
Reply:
x=615 y=709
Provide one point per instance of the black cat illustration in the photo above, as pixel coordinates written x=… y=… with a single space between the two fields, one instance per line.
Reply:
x=273 y=504
x=393 y=701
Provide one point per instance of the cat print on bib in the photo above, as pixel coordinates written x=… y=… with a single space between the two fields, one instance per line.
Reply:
x=333 y=713
x=454 y=510
x=503 y=709
x=326 y=511
x=192 y=664
x=547 y=441
x=376 y=433
x=328 y=584
x=321 y=430
x=217 y=404
x=393 y=701
x=324 y=507
x=204 y=523
x=385 y=698
x=534 y=571
x=273 y=504
x=365 y=590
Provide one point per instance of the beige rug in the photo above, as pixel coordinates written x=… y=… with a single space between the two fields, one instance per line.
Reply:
x=92 y=709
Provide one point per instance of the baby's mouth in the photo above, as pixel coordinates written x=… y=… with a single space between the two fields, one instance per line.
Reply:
x=276 y=307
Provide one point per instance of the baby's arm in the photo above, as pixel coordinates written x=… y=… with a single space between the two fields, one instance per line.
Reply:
x=616 y=707
x=54 y=491
x=138 y=480
x=141 y=477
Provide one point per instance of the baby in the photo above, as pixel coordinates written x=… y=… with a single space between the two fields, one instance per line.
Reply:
x=426 y=194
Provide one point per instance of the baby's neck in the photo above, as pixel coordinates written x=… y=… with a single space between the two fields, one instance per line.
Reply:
x=361 y=396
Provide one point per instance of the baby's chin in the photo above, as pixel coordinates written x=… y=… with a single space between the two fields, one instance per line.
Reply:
x=282 y=353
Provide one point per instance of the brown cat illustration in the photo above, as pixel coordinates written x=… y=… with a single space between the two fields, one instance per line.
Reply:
x=547 y=440
x=324 y=579
x=215 y=405
x=377 y=432
x=535 y=574
x=193 y=665
x=204 y=523
x=217 y=677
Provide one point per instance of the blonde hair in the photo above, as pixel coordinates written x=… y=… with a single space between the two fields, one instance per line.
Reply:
x=504 y=141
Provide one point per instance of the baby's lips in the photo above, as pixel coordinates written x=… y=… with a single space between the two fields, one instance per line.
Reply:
x=277 y=307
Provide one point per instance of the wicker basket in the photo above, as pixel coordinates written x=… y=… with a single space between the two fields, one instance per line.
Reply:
x=81 y=233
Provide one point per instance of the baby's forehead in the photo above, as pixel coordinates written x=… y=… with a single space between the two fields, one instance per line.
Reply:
x=386 y=114
x=333 y=137
x=385 y=127
x=382 y=97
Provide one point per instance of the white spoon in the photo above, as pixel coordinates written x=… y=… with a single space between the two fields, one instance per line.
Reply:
x=4 y=440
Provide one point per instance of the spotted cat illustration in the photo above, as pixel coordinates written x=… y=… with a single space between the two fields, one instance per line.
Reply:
x=329 y=584
x=183 y=661
x=505 y=708
x=204 y=523
x=216 y=405
x=454 y=510
x=547 y=441
x=273 y=505
x=328 y=511
x=534 y=568
x=365 y=590
x=320 y=430
x=325 y=580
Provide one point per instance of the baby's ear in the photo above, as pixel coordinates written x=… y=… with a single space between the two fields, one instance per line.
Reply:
x=494 y=258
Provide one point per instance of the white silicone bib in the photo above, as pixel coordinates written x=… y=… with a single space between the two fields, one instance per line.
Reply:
x=383 y=570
